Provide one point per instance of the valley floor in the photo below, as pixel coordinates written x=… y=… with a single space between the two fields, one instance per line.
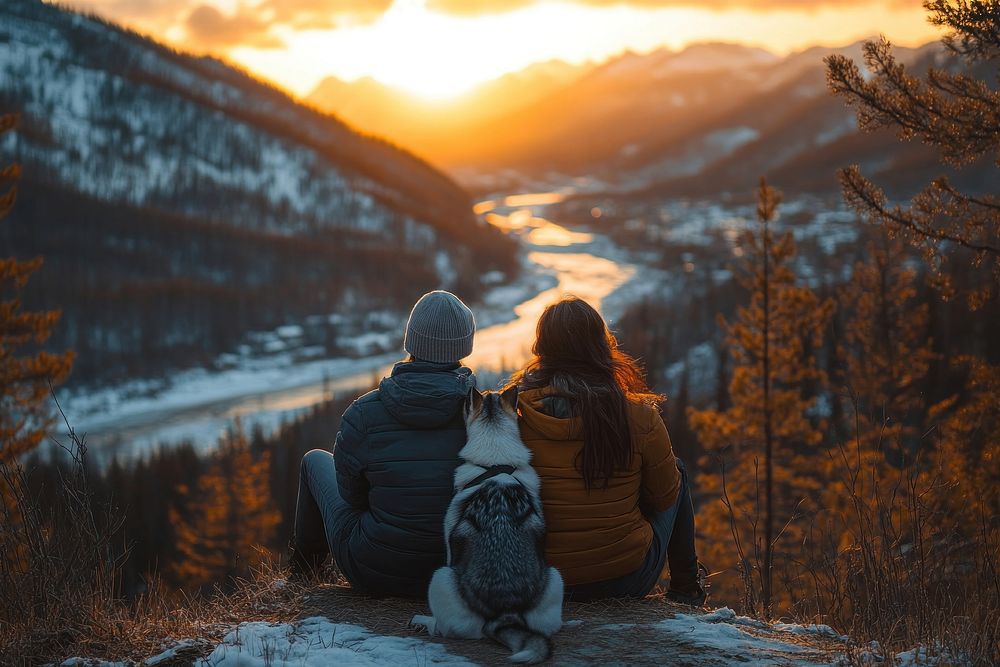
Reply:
x=126 y=421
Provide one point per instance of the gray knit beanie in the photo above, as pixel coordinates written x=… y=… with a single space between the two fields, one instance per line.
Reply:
x=440 y=328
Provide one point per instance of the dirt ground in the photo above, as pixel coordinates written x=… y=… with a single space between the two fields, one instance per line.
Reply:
x=585 y=638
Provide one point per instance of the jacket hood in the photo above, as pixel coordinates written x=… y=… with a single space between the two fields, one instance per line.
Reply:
x=534 y=415
x=425 y=394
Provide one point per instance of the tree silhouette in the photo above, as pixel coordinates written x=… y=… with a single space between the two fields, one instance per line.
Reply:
x=771 y=344
x=228 y=517
x=957 y=113
x=967 y=451
x=887 y=352
x=885 y=355
x=25 y=372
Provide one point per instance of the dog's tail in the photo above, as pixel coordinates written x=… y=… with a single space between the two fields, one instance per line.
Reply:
x=529 y=647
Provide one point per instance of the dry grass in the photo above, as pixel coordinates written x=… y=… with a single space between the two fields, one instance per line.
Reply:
x=896 y=563
x=58 y=581
x=914 y=574
x=133 y=632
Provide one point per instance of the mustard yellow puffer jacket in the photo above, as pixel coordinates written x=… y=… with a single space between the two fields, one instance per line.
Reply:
x=598 y=534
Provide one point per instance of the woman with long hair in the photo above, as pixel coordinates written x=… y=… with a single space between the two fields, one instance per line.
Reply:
x=616 y=500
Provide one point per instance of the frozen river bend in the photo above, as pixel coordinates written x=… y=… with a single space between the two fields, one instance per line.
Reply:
x=198 y=405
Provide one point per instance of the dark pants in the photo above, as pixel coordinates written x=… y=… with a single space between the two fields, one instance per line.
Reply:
x=673 y=543
x=323 y=520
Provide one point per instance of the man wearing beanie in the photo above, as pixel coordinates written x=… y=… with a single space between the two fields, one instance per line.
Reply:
x=377 y=504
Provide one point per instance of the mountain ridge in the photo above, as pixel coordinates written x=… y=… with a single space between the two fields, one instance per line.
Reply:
x=424 y=123
x=701 y=121
x=648 y=130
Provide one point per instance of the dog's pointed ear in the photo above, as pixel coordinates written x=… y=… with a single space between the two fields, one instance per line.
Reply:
x=509 y=397
x=473 y=400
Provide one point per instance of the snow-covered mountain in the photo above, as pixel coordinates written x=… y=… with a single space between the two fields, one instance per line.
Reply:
x=790 y=128
x=180 y=203
x=711 y=118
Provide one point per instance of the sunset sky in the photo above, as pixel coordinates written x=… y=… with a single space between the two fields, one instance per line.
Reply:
x=439 y=48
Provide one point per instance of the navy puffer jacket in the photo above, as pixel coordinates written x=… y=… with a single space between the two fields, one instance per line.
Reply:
x=396 y=455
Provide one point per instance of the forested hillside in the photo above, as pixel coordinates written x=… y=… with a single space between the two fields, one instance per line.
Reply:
x=180 y=204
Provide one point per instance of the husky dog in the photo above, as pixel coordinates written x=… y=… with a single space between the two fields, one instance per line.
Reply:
x=496 y=583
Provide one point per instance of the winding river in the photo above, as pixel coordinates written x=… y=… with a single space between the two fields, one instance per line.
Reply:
x=200 y=408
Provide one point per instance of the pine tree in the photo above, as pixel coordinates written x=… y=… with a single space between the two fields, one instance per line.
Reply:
x=956 y=113
x=885 y=355
x=228 y=518
x=886 y=351
x=25 y=372
x=967 y=451
x=768 y=423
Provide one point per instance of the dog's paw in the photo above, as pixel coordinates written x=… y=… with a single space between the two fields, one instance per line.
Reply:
x=421 y=623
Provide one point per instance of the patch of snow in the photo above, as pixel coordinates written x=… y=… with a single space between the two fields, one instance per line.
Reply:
x=317 y=642
x=922 y=656
x=810 y=629
x=170 y=653
x=727 y=615
x=727 y=633
x=373 y=342
x=289 y=331
x=273 y=346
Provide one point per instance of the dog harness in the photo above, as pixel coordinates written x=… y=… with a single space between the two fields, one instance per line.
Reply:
x=492 y=471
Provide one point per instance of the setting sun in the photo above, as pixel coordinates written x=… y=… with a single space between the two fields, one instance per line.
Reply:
x=419 y=47
x=438 y=55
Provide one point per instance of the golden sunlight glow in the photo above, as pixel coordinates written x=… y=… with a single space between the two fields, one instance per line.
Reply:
x=439 y=55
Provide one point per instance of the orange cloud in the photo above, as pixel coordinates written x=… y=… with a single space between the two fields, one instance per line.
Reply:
x=251 y=26
x=251 y=23
x=474 y=7
x=318 y=14
x=208 y=27
x=132 y=10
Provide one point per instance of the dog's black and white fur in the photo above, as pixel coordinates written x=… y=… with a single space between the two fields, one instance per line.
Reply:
x=496 y=583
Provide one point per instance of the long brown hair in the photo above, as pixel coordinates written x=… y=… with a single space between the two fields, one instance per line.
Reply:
x=576 y=354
